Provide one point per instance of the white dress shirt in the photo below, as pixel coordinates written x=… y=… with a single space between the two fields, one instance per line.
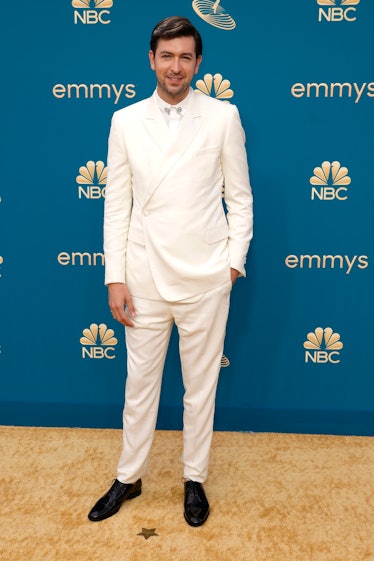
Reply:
x=173 y=114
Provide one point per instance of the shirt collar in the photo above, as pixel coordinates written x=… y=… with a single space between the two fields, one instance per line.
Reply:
x=162 y=104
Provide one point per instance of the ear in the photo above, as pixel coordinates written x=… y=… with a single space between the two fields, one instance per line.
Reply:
x=151 y=59
x=198 y=61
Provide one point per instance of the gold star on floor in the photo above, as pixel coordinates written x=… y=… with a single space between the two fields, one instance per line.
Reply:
x=147 y=532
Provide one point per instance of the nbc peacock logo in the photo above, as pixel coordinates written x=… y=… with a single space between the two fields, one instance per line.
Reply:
x=322 y=346
x=92 y=180
x=214 y=13
x=215 y=86
x=330 y=182
x=337 y=10
x=98 y=342
x=91 y=12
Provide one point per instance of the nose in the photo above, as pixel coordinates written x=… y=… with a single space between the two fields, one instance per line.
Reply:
x=175 y=65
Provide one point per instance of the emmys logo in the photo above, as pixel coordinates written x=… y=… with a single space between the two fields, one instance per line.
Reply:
x=313 y=261
x=92 y=180
x=214 y=14
x=333 y=90
x=98 y=342
x=80 y=259
x=322 y=346
x=215 y=86
x=93 y=91
x=330 y=182
x=337 y=10
x=92 y=11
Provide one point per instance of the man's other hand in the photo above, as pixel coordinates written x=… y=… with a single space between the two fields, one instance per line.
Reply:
x=119 y=299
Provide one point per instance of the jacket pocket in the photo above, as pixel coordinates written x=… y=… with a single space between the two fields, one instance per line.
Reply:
x=136 y=236
x=217 y=233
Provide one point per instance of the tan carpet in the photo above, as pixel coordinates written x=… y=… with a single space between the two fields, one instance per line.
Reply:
x=274 y=497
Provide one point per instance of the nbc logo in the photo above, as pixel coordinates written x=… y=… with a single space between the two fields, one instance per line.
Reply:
x=337 y=10
x=329 y=182
x=214 y=14
x=98 y=342
x=322 y=346
x=92 y=180
x=215 y=86
x=93 y=11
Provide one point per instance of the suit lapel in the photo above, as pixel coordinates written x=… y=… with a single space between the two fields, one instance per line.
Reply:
x=172 y=148
x=156 y=126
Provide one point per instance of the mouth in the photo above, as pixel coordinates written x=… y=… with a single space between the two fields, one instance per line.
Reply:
x=174 y=79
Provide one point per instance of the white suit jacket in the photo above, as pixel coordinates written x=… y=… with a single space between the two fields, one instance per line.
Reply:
x=165 y=224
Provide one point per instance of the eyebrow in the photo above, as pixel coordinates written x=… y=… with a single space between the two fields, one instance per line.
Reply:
x=164 y=52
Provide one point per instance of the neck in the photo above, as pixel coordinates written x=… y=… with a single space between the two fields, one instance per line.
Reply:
x=172 y=100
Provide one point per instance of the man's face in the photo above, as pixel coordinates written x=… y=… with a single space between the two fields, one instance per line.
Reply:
x=175 y=64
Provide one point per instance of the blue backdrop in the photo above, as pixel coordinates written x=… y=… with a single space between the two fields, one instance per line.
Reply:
x=298 y=346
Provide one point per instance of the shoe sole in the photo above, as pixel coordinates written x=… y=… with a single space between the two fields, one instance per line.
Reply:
x=112 y=512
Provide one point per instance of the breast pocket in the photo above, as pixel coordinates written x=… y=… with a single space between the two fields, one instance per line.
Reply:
x=212 y=151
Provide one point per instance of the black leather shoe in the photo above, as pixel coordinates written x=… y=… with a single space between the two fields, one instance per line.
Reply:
x=111 y=502
x=196 y=506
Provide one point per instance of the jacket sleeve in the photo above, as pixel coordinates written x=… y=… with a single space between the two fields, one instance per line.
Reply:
x=118 y=204
x=237 y=192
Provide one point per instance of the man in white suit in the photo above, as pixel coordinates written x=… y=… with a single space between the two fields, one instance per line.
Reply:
x=172 y=254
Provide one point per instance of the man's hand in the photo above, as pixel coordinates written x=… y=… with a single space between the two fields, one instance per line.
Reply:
x=234 y=275
x=120 y=298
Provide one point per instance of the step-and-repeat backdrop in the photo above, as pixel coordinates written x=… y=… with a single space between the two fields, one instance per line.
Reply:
x=298 y=352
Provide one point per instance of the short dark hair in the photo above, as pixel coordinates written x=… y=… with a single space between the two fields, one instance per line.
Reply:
x=176 y=26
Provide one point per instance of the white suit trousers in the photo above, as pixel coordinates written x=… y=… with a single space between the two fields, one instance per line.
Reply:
x=201 y=323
